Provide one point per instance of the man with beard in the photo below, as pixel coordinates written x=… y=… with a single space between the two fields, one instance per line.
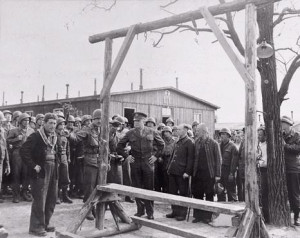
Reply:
x=17 y=137
x=39 y=154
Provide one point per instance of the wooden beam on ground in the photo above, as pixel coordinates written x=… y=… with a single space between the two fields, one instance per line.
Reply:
x=217 y=207
x=165 y=228
x=246 y=225
x=118 y=61
x=103 y=147
x=86 y=208
x=65 y=234
x=179 y=19
x=240 y=67
x=110 y=231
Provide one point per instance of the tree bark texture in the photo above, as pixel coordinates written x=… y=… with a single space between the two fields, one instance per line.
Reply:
x=279 y=211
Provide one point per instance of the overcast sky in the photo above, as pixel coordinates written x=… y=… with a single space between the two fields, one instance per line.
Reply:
x=45 y=42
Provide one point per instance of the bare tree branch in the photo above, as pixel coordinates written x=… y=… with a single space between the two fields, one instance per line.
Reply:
x=288 y=77
x=168 y=4
x=287 y=48
x=283 y=15
x=95 y=5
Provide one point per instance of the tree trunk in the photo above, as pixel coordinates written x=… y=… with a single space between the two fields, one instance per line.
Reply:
x=279 y=210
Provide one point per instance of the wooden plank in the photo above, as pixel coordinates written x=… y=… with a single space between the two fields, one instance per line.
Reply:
x=103 y=148
x=246 y=225
x=173 y=199
x=119 y=211
x=227 y=48
x=164 y=227
x=86 y=208
x=178 y=19
x=109 y=231
x=118 y=62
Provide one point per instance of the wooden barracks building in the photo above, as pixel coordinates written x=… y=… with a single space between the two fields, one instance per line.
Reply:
x=160 y=103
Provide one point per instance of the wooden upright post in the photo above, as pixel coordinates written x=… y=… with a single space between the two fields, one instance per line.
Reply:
x=103 y=166
x=251 y=185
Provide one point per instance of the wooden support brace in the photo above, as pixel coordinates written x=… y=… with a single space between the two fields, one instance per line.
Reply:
x=110 y=231
x=87 y=207
x=227 y=48
x=115 y=217
x=109 y=197
x=246 y=225
x=118 y=61
x=166 y=228
x=118 y=209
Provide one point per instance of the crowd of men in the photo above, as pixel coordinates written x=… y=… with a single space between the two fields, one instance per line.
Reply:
x=49 y=159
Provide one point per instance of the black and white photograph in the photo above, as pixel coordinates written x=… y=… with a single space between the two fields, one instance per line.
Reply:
x=150 y=118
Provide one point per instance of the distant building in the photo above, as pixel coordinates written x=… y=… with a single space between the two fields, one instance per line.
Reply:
x=160 y=103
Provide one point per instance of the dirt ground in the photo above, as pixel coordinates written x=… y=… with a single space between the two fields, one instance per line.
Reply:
x=15 y=218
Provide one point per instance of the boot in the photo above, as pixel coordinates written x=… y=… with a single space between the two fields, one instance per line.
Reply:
x=296 y=218
x=65 y=197
x=26 y=196
x=59 y=197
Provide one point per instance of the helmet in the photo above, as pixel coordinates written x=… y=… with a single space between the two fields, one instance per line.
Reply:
x=287 y=120
x=125 y=119
x=23 y=116
x=97 y=114
x=15 y=115
x=170 y=120
x=39 y=116
x=151 y=119
x=33 y=119
x=218 y=188
x=71 y=118
x=118 y=119
x=225 y=130
x=114 y=116
x=60 y=114
x=59 y=121
x=195 y=123
x=161 y=125
x=77 y=119
x=167 y=128
x=85 y=118
x=2 y=117
x=7 y=111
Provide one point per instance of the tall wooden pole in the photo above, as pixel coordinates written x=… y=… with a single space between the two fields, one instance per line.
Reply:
x=103 y=166
x=251 y=186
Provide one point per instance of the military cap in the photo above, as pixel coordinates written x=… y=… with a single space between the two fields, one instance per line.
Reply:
x=85 y=118
x=78 y=119
x=117 y=121
x=170 y=120
x=225 y=130
x=23 y=116
x=287 y=120
x=175 y=128
x=114 y=116
x=59 y=121
x=187 y=126
x=161 y=125
x=60 y=114
x=137 y=116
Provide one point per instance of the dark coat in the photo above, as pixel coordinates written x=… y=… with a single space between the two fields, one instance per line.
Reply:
x=213 y=155
x=292 y=152
x=33 y=152
x=182 y=159
x=229 y=153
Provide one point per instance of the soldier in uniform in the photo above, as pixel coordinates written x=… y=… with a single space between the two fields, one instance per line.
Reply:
x=32 y=123
x=291 y=142
x=16 y=137
x=150 y=122
x=39 y=154
x=142 y=158
x=4 y=158
x=39 y=120
x=90 y=136
x=15 y=118
x=63 y=159
x=78 y=123
x=180 y=168
x=7 y=126
x=86 y=121
x=229 y=154
x=170 y=122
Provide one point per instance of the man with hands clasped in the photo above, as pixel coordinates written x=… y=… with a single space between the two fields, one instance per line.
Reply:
x=142 y=158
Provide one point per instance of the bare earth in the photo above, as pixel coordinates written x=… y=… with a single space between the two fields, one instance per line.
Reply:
x=15 y=218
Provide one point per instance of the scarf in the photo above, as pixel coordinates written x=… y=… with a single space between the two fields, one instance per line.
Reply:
x=49 y=141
